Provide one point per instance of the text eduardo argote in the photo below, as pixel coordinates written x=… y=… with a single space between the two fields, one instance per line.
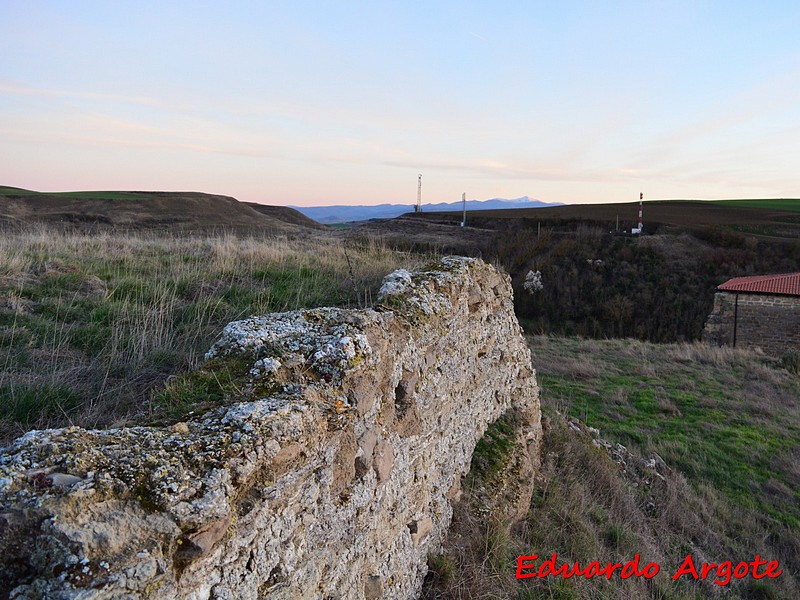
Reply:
x=722 y=573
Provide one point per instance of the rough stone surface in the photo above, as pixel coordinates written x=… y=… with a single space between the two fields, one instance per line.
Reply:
x=336 y=482
x=744 y=320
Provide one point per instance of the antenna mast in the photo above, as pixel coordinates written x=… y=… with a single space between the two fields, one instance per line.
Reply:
x=641 y=197
x=418 y=207
x=640 y=229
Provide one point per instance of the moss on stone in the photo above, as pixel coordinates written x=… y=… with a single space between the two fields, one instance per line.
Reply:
x=147 y=499
x=200 y=390
x=493 y=450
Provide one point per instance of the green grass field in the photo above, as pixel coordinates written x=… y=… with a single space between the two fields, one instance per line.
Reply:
x=769 y=203
x=9 y=190
x=89 y=195
x=724 y=418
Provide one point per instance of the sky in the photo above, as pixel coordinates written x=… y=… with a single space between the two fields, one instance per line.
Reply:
x=346 y=102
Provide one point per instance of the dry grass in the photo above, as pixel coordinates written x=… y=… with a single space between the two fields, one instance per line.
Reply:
x=91 y=325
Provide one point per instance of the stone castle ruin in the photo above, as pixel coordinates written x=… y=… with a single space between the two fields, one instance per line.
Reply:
x=333 y=476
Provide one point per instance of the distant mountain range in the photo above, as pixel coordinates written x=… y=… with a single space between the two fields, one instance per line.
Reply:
x=346 y=214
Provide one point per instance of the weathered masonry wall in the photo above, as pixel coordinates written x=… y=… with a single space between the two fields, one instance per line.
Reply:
x=330 y=474
x=765 y=321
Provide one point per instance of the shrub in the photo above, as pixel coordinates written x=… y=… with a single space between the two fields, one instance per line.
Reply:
x=791 y=361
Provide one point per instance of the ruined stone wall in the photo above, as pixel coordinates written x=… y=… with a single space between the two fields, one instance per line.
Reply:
x=330 y=474
x=764 y=321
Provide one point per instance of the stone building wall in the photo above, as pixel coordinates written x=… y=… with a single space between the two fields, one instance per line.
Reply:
x=765 y=321
x=331 y=473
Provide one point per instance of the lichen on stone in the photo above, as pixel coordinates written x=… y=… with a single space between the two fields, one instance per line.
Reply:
x=396 y=283
x=320 y=339
x=265 y=366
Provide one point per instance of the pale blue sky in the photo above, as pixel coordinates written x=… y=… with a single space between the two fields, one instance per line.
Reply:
x=346 y=102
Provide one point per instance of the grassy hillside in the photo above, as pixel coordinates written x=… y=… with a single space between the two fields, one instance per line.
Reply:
x=773 y=217
x=6 y=190
x=708 y=465
x=284 y=213
x=781 y=204
x=92 y=325
x=176 y=212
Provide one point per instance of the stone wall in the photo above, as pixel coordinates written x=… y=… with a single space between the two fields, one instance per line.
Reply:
x=764 y=321
x=331 y=473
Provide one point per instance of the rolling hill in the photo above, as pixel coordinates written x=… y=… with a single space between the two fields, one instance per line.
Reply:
x=181 y=212
x=768 y=217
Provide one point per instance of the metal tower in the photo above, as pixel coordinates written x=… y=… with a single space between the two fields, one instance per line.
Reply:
x=641 y=197
x=418 y=207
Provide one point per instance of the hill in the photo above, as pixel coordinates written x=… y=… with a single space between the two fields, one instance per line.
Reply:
x=182 y=212
x=286 y=214
x=768 y=217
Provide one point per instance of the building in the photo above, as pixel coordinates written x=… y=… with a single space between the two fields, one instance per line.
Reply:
x=757 y=312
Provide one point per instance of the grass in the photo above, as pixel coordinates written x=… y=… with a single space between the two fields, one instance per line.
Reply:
x=492 y=449
x=92 y=326
x=773 y=203
x=783 y=228
x=725 y=422
x=89 y=195
x=198 y=390
x=733 y=427
x=101 y=195
x=709 y=467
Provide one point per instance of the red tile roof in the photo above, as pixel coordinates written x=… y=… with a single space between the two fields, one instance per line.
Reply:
x=787 y=284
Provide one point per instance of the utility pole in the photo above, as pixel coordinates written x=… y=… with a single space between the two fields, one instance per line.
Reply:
x=418 y=207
